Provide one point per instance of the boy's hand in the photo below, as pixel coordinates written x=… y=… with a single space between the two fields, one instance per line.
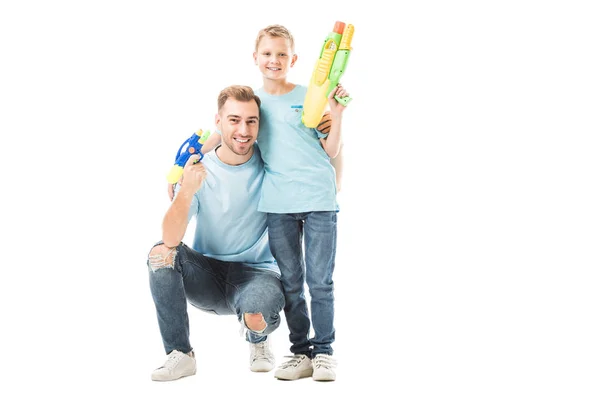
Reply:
x=335 y=107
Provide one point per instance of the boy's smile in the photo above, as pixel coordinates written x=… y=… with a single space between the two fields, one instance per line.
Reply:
x=274 y=57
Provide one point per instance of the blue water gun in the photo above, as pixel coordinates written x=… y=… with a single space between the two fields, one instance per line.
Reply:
x=194 y=145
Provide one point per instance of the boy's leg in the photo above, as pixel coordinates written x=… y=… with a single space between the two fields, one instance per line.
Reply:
x=285 y=241
x=320 y=229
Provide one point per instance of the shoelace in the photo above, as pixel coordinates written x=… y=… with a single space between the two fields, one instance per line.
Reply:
x=324 y=361
x=173 y=359
x=261 y=351
x=296 y=359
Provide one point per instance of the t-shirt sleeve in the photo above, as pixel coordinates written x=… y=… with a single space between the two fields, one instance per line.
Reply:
x=320 y=134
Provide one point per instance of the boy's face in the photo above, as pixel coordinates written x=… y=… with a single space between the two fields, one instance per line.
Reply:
x=238 y=123
x=274 y=57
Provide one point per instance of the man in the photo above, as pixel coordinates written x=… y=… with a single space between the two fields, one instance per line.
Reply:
x=229 y=269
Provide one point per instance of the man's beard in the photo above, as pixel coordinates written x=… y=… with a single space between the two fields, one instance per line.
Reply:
x=231 y=146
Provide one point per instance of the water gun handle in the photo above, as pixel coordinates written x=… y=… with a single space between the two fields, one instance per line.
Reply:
x=194 y=146
x=343 y=100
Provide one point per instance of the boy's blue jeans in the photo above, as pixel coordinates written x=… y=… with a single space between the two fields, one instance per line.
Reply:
x=320 y=235
x=222 y=288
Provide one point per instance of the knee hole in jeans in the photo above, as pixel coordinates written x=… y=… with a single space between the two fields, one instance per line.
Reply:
x=255 y=322
x=162 y=256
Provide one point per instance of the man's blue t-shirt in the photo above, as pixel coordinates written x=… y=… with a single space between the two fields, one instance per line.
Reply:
x=299 y=176
x=229 y=226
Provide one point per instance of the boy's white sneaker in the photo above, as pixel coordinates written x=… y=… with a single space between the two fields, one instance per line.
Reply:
x=323 y=367
x=177 y=366
x=298 y=367
x=261 y=357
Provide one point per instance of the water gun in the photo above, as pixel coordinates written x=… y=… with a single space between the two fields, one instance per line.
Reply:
x=194 y=145
x=327 y=73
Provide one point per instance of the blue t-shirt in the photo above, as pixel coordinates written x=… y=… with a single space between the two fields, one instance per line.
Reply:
x=299 y=176
x=229 y=226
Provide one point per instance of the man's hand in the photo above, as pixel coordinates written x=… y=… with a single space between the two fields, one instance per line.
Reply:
x=335 y=107
x=193 y=174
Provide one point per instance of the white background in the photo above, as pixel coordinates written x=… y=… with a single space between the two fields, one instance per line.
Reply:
x=469 y=227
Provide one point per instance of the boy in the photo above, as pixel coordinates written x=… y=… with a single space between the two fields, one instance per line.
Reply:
x=299 y=197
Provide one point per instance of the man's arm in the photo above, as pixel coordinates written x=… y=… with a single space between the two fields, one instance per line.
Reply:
x=176 y=219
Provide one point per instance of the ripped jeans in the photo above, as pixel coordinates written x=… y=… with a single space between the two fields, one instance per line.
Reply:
x=183 y=275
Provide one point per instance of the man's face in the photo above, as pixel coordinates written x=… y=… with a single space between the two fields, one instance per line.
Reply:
x=238 y=122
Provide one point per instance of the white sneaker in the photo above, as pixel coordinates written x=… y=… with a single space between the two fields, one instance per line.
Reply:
x=177 y=366
x=298 y=367
x=323 y=367
x=261 y=357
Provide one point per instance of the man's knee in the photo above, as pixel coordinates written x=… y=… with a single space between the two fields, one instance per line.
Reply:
x=255 y=322
x=162 y=256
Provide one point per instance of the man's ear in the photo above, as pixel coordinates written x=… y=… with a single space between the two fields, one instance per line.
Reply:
x=294 y=58
x=218 y=121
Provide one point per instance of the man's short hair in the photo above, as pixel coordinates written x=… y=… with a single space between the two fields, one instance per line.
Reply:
x=239 y=93
x=275 y=31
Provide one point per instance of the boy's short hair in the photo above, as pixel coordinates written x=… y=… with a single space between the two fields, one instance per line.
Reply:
x=275 y=31
x=239 y=93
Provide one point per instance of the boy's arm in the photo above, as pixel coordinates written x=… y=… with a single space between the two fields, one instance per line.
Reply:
x=338 y=164
x=333 y=143
x=213 y=140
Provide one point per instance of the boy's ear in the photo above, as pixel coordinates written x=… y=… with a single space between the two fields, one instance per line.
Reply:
x=254 y=55
x=294 y=58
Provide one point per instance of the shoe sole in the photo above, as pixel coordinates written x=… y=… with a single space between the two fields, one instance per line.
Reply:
x=323 y=379
x=261 y=369
x=306 y=374
x=169 y=379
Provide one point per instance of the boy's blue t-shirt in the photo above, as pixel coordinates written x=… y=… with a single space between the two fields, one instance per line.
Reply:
x=299 y=176
x=229 y=226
